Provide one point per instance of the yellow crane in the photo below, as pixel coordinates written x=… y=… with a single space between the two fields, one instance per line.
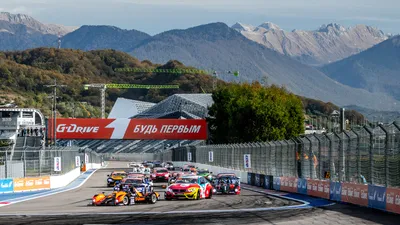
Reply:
x=103 y=88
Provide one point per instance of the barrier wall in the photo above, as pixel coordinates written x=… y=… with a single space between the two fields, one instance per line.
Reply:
x=43 y=182
x=372 y=196
x=64 y=180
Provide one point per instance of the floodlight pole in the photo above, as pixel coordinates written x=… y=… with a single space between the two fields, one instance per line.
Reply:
x=55 y=85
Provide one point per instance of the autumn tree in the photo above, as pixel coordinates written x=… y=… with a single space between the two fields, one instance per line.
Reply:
x=251 y=113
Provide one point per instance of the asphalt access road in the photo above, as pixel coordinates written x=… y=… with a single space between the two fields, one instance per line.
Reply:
x=76 y=201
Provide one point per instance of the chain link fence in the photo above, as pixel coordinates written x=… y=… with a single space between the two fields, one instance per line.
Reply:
x=364 y=155
x=32 y=162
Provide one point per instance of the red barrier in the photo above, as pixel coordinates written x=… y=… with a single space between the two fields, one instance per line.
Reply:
x=393 y=200
x=355 y=193
x=289 y=184
x=318 y=188
x=131 y=129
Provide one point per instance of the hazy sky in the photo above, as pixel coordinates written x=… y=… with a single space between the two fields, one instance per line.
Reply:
x=155 y=16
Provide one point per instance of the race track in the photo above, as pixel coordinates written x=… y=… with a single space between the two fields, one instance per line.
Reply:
x=76 y=201
x=71 y=208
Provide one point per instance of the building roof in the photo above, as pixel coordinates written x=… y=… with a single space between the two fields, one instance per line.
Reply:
x=126 y=108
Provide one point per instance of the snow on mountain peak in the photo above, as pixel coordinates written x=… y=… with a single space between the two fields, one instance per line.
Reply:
x=270 y=26
x=242 y=27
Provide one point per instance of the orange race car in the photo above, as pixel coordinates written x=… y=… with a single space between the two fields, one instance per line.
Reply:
x=125 y=196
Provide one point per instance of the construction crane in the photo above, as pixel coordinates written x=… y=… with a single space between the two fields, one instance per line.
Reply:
x=103 y=88
x=180 y=71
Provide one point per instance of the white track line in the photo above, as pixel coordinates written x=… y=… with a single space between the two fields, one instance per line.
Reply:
x=41 y=195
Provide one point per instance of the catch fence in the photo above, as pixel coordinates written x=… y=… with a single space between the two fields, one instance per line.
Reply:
x=367 y=155
x=32 y=162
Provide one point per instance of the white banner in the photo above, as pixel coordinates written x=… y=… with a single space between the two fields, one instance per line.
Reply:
x=57 y=164
x=189 y=156
x=211 y=156
x=247 y=161
x=86 y=158
x=77 y=161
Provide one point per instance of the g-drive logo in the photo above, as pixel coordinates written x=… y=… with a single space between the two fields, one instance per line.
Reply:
x=73 y=128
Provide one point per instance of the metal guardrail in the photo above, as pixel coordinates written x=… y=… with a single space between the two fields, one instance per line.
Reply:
x=367 y=155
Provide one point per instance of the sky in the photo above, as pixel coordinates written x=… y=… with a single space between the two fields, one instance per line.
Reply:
x=156 y=16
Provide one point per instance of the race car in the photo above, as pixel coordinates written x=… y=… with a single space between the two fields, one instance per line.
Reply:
x=115 y=177
x=169 y=166
x=135 y=174
x=125 y=196
x=138 y=182
x=189 y=187
x=204 y=173
x=160 y=174
x=226 y=184
x=174 y=176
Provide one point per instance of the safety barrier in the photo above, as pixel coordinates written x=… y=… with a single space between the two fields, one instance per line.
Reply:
x=367 y=195
x=43 y=182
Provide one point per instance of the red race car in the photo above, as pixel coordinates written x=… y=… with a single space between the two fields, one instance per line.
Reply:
x=189 y=187
x=160 y=174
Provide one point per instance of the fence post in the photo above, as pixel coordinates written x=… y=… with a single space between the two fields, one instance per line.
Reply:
x=319 y=155
x=347 y=158
x=310 y=157
x=371 y=161
x=24 y=162
x=340 y=166
x=358 y=154
x=330 y=155
x=386 y=154
x=5 y=166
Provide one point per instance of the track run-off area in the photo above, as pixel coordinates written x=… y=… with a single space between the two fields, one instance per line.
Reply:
x=253 y=206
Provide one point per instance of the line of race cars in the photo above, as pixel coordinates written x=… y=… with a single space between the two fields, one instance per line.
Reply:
x=187 y=182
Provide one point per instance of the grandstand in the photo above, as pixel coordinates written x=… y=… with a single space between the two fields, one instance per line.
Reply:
x=178 y=106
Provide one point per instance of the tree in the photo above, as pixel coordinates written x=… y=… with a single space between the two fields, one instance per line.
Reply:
x=251 y=113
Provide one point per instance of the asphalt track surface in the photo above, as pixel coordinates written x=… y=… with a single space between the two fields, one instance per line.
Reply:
x=71 y=208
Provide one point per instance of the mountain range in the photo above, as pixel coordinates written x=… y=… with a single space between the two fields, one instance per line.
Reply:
x=376 y=69
x=218 y=47
x=327 y=44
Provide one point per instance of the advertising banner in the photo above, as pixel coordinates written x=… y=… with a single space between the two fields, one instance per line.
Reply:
x=277 y=183
x=77 y=161
x=289 y=184
x=302 y=186
x=355 y=193
x=130 y=129
x=6 y=185
x=268 y=182
x=249 y=178
x=86 y=158
x=31 y=183
x=377 y=197
x=247 y=161
x=318 y=188
x=336 y=191
x=57 y=164
x=393 y=200
x=189 y=156
x=257 y=180
x=210 y=156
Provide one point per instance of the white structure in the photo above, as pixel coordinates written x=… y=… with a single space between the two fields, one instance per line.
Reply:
x=13 y=120
x=126 y=108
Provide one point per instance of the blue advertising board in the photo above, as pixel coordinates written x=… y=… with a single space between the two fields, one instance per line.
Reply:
x=277 y=183
x=6 y=185
x=335 y=192
x=377 y=197
x=257 y=180
x=302 y=186
x=267 y=182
